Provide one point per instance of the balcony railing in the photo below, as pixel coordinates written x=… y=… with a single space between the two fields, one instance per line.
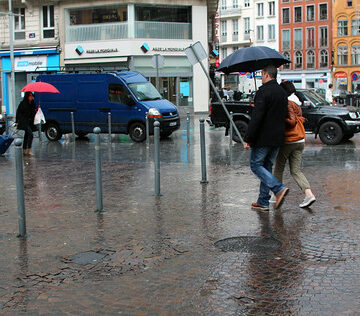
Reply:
x=246 y=36
x=298 y=44
x=166 y=30
x=223 y=38
x=230 y=12
x=96 y=32
x=286 y=44
x=235 y=37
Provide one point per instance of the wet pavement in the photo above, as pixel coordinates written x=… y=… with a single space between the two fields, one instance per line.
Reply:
x=196 y=249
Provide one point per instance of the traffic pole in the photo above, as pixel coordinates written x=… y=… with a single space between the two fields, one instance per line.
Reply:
x=99 y=201
x=203 y=151
x=20 y=188
x=157 y=156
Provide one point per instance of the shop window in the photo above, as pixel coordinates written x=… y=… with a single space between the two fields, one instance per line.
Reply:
x=19 y=23
x=48 y=21
x=98 y=15
x=159 y=13
x=342 y=53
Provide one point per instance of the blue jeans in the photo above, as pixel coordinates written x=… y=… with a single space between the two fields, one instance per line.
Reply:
x=261 y=162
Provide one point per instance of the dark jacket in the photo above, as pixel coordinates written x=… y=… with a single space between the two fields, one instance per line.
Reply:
x=25 y=114
x=267 y=124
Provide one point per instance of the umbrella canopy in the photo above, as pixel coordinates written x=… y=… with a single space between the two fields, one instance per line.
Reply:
x=40 y=87
x=252 y=58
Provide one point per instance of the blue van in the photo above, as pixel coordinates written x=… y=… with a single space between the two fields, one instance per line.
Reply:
x=128 y=96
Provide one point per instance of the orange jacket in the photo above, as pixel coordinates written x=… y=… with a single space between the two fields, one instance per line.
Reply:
x=294 y=123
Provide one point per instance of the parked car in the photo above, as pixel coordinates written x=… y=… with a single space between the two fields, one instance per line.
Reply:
x=128 y=96
x=332 y=124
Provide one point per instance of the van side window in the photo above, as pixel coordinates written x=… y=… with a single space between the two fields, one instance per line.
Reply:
x=118 y=93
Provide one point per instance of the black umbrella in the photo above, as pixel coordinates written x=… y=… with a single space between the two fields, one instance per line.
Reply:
x=252 y=58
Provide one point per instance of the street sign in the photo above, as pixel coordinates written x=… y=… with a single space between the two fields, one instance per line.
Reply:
x=197 y=49
x=160 y=61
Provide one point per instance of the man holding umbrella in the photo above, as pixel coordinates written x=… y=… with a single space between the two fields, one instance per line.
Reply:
x=265 y=134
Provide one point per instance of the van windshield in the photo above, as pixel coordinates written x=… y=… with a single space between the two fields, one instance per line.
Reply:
x=144 y=91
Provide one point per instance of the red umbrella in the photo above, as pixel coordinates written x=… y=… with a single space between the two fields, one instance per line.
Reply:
x=40 y=87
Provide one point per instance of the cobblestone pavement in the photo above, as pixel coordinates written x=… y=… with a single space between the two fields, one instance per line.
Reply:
x=196 y=249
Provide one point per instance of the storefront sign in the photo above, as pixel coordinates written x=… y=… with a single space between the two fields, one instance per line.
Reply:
x=101 y=50
x=30 y=63
x=168 y=49
x=340 y=75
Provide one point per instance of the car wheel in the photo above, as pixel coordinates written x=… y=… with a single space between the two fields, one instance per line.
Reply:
x=53 y=132
x=137 y=132
x=242 y=127
x=331 y=133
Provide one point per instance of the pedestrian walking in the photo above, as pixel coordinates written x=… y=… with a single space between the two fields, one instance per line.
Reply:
x=294 y=145
x=25 y=114
x=265 y=135
x=329 y=94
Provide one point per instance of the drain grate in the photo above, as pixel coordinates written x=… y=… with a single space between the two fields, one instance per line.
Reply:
x=250 y=244
x=88 y=257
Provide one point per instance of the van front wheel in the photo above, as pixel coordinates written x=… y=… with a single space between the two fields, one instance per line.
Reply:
x=137 y=132
x=53 y=132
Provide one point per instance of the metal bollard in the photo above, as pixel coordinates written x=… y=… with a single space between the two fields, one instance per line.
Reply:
x=188 y=127
x=6 y=124
x=231 y=129
x=203 y=151
x=72 y=125
x=109 y=126
x=147 y=130
x=157 y=157
x=99 y=203
x=20 y=188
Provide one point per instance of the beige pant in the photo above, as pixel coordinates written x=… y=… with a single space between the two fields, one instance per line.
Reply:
x=293 y=153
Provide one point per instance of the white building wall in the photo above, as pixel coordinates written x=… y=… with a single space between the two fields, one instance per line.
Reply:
x=200 y=81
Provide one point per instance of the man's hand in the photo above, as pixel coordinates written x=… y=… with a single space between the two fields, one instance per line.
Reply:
x=246 y=146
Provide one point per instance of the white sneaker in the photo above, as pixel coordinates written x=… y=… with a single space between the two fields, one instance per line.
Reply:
x=307 y=201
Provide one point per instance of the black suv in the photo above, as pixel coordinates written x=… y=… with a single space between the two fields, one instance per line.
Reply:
x=332 y=124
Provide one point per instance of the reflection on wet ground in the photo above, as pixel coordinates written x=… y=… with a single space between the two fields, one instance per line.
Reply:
x=154 y=255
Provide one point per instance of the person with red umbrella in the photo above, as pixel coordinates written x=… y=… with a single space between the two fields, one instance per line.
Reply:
x=25 y=114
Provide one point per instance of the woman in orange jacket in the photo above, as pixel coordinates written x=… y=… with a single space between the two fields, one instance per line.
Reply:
x=294 y=145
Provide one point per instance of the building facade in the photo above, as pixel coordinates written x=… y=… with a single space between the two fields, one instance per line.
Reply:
x=36 y=46
x=305 y=31
x=346 y=48
x=81 y=36
x=242 y=24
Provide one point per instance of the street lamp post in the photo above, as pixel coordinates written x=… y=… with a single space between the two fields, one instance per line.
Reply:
x=11 y=42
